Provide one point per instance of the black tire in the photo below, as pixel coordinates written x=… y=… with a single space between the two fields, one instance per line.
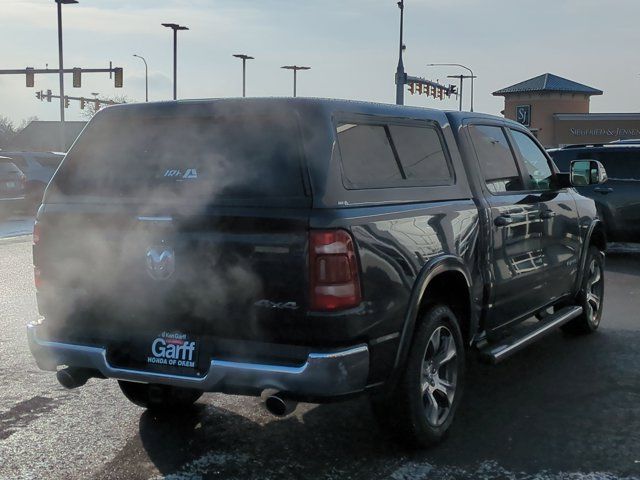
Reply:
x=409 y=412
x=591 y=296
x=161 y=398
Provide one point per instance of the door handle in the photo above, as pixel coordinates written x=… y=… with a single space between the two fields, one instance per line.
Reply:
x=603 y=190
x=503 y=221
x=546 y=214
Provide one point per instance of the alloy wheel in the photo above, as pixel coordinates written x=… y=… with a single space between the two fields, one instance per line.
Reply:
x=594 y=292
x=439 y=376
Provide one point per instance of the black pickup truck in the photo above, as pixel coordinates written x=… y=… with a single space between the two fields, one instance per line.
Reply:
x=308 y=250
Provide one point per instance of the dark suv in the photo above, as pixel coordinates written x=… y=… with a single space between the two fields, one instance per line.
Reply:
x=308 y=250
x=618 y=202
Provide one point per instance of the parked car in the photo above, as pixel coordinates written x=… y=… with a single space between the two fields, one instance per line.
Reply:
x=308 y=250
x=618 y=201
x=12 y=187
x=628 y=141
x=39 y=168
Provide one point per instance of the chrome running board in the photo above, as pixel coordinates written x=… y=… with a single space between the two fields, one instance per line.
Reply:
x=495 y=353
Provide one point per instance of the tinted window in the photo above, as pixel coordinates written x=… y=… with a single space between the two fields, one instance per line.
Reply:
x=497 y=162
x=562 y=159
x=377 y=156
x=621 y=165
x=421 y=154
x=367 y=157
x=19 y=161
x=175 y=157
x=536 y=163
x=8 y=167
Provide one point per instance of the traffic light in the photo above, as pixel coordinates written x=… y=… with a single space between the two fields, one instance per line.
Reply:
x=427 y=90
x=39 y=95
x=82 y=103
x=440 y=93
x=77 y=77
x=96 y=105
x=419 y=89
x=48 y=95
x=30 y=77
x=118 y=77
x=412 y=88
x=453 y=90
x=66 y=102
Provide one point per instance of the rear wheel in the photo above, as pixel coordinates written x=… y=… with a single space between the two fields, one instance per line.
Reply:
x=159 y=397
x=591 y=295
x=421 y=408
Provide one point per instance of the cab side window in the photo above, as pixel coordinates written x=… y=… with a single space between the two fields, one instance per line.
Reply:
x=497 y=163
x=540 y=176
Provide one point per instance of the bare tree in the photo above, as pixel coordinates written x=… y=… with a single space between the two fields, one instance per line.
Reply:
x=7 y=131
x=24 y=123
x=90 y=108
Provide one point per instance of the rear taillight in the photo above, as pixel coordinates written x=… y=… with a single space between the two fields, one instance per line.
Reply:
x=23 y=181
x=334 y=278
x=36 y=233
x=36 y=270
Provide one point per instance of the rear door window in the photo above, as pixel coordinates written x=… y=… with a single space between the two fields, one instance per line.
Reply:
x=182 y=157
x=393 y=155
x=497 y=162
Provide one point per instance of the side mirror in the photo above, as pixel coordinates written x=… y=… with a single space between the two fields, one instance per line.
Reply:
x=587 y=172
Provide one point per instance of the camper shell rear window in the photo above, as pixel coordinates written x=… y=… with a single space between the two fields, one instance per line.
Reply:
x=186 y=157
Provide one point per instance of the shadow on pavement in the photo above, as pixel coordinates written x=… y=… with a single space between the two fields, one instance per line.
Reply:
x=566 y=404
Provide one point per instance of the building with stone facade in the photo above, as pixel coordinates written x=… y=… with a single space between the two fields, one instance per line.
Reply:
x=557 y=111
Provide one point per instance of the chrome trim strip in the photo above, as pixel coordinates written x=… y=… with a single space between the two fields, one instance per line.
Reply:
x=155 y=219
x=322 y=375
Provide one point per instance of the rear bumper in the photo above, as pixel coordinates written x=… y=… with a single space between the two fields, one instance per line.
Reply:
x=323 y=375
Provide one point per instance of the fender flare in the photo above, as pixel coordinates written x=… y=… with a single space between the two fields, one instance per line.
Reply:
x=595 y=224
x=436 y=266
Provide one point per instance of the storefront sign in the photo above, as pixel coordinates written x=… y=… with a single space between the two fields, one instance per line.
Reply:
x=606 y=132
x=523 y=115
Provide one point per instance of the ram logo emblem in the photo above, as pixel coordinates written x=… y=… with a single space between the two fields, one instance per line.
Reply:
x=161 y=263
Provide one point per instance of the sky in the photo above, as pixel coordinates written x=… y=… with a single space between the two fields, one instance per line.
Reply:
x=351 y=45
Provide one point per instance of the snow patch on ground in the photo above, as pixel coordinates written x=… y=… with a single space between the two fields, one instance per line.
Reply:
x=490 y=470
x=195 y=469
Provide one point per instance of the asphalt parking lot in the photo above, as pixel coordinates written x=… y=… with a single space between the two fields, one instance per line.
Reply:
x=567 y=408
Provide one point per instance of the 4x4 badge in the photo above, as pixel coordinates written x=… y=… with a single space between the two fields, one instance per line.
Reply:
x=161 y=263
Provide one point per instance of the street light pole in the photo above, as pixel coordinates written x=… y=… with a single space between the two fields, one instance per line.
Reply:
x=400 y=73
x=146 y=77
x=60 y=56
x=175 y=27
x=244 y=59
x=472 y=76
x=295 y=69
